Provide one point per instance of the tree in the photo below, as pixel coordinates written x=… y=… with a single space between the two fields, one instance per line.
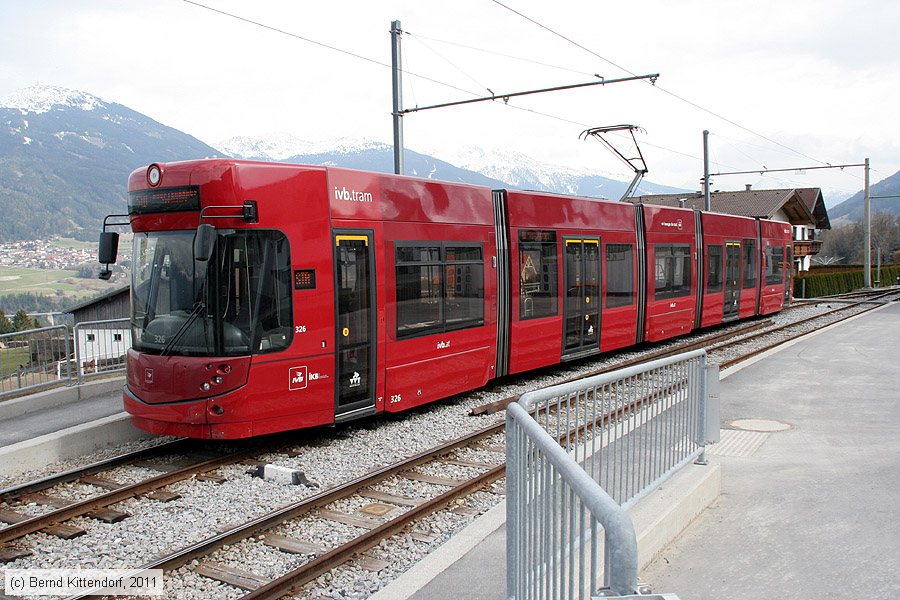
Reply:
x=885 y=236
x=842 y=242
x=848 y=241
x=21 y=321
x=6 y=325
x=85 y=271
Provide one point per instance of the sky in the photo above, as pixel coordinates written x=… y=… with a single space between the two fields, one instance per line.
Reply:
x=779 y=85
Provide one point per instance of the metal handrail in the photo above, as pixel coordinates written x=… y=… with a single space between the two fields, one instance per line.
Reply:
x=39 y=341
x=79 y=359
x=580 y=453
x=620 y=541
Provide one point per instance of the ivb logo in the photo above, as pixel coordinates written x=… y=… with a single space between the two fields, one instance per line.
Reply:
x=299 y=377
x=679 y=225
x=352 y=195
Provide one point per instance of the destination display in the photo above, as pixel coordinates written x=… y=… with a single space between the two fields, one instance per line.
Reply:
x=173 y=199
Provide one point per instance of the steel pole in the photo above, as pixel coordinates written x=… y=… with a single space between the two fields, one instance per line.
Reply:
x=867 y=268
x=397 y=81
x=706 y=170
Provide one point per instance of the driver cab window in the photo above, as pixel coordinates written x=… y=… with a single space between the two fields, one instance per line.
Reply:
x=255 y=290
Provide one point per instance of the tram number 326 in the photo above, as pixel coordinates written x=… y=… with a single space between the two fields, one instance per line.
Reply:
x=395 y=398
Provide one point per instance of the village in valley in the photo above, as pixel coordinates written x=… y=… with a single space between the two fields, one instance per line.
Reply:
x=47 y=254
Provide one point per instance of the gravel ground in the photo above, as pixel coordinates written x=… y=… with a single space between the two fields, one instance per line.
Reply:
x=328 y=457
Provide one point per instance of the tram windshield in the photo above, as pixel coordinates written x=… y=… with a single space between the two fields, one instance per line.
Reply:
x=237 y=303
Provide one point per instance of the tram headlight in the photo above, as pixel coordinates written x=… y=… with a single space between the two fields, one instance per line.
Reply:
x=154 y=175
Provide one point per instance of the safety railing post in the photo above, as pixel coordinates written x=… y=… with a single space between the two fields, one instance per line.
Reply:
x=34 y=358
x=595 y=447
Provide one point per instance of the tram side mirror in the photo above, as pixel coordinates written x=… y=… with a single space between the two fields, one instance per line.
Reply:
x=109 y=247
x=106 y=252
x=204 y=242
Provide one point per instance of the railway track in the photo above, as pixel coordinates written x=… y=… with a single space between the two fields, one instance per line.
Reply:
x=89 y=494
x=364 y=505
x=10 y=494
x=380 y=514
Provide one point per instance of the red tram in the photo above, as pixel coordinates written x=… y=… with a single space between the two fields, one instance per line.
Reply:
x=269 y=297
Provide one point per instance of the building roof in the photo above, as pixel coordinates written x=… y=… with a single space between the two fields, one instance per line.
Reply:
x=812 y=198
x=99 y=299
x=763 y=204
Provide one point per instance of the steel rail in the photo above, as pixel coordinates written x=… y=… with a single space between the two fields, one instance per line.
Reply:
x=44 y=483
x=78 y=509
x=307 y=505
x=345 y=552
x=492 y=407
x=337 y=556
x=341 y=554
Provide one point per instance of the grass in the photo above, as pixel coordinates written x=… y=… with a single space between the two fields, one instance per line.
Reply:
x=73 y=243
x=15 y=280
x=11 y=358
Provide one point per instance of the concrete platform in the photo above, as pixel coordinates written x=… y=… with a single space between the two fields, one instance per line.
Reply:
x=807 y=511
x=59 y=424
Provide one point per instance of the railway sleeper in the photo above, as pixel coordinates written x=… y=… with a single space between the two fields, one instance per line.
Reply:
x=293 y=545
x=235 y=577
x=9 y=554
x=107 y=515
x=371 y=563
x=60 y=530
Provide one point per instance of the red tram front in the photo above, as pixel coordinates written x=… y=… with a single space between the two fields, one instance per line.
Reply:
x=284 y=324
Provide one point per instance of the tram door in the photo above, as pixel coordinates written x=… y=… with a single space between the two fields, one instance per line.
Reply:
x=582 y=303
x=732 y=281
x=356 y=336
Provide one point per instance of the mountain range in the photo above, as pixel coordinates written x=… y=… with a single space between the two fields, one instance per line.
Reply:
x=853 y=208
x=65 y=156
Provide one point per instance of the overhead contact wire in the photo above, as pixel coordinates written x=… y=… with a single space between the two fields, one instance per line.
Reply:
x=673 y=94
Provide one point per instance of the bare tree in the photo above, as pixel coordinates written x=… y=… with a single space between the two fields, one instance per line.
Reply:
x=848 y=241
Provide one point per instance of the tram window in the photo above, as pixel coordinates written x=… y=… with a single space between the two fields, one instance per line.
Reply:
x=774 y=265
x=672 y=270
x=439 y=288
x=619 y=275
x=714 y=269
x=237 y=303
x=749 y=264
x=256 y=291
x=538 y=279
x=463 y=287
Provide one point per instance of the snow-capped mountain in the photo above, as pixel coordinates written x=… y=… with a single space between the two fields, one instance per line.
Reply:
x=282 y=146
x=65 y=156
x=43 y=98
x=483 y=166
x=516 y=168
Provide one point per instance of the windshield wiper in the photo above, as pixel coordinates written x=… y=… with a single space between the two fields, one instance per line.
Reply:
x=199 y=307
